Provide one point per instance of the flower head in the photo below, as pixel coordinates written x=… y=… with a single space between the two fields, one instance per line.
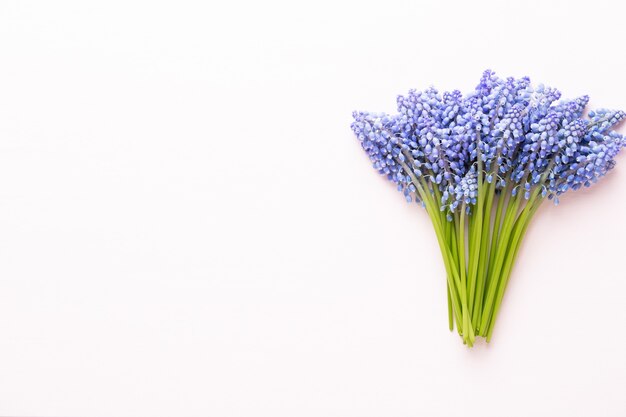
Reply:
x=505 y=132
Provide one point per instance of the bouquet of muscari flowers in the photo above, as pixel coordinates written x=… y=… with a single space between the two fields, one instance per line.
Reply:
x=481 y=165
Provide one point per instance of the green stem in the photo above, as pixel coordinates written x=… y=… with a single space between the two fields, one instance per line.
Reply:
x=450 y=316
x=451 y=273
x=474 y=247
x=433 y=206
x=453 y=254
x=449 y=297
x=484 y=257
x=461 y=245
x=495 y=233
x=503 y=243
x=519 y=232
x=521 y=226
x=446 y=232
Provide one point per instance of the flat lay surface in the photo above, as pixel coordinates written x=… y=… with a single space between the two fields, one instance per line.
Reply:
x=188 y=226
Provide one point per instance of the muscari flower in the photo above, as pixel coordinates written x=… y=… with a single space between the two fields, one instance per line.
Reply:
x=506 y=143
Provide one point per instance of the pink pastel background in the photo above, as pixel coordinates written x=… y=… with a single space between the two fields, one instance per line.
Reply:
x=188 y=226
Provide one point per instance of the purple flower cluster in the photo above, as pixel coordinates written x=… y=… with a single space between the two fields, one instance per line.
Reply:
x=503 y=148
x=505 y=131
